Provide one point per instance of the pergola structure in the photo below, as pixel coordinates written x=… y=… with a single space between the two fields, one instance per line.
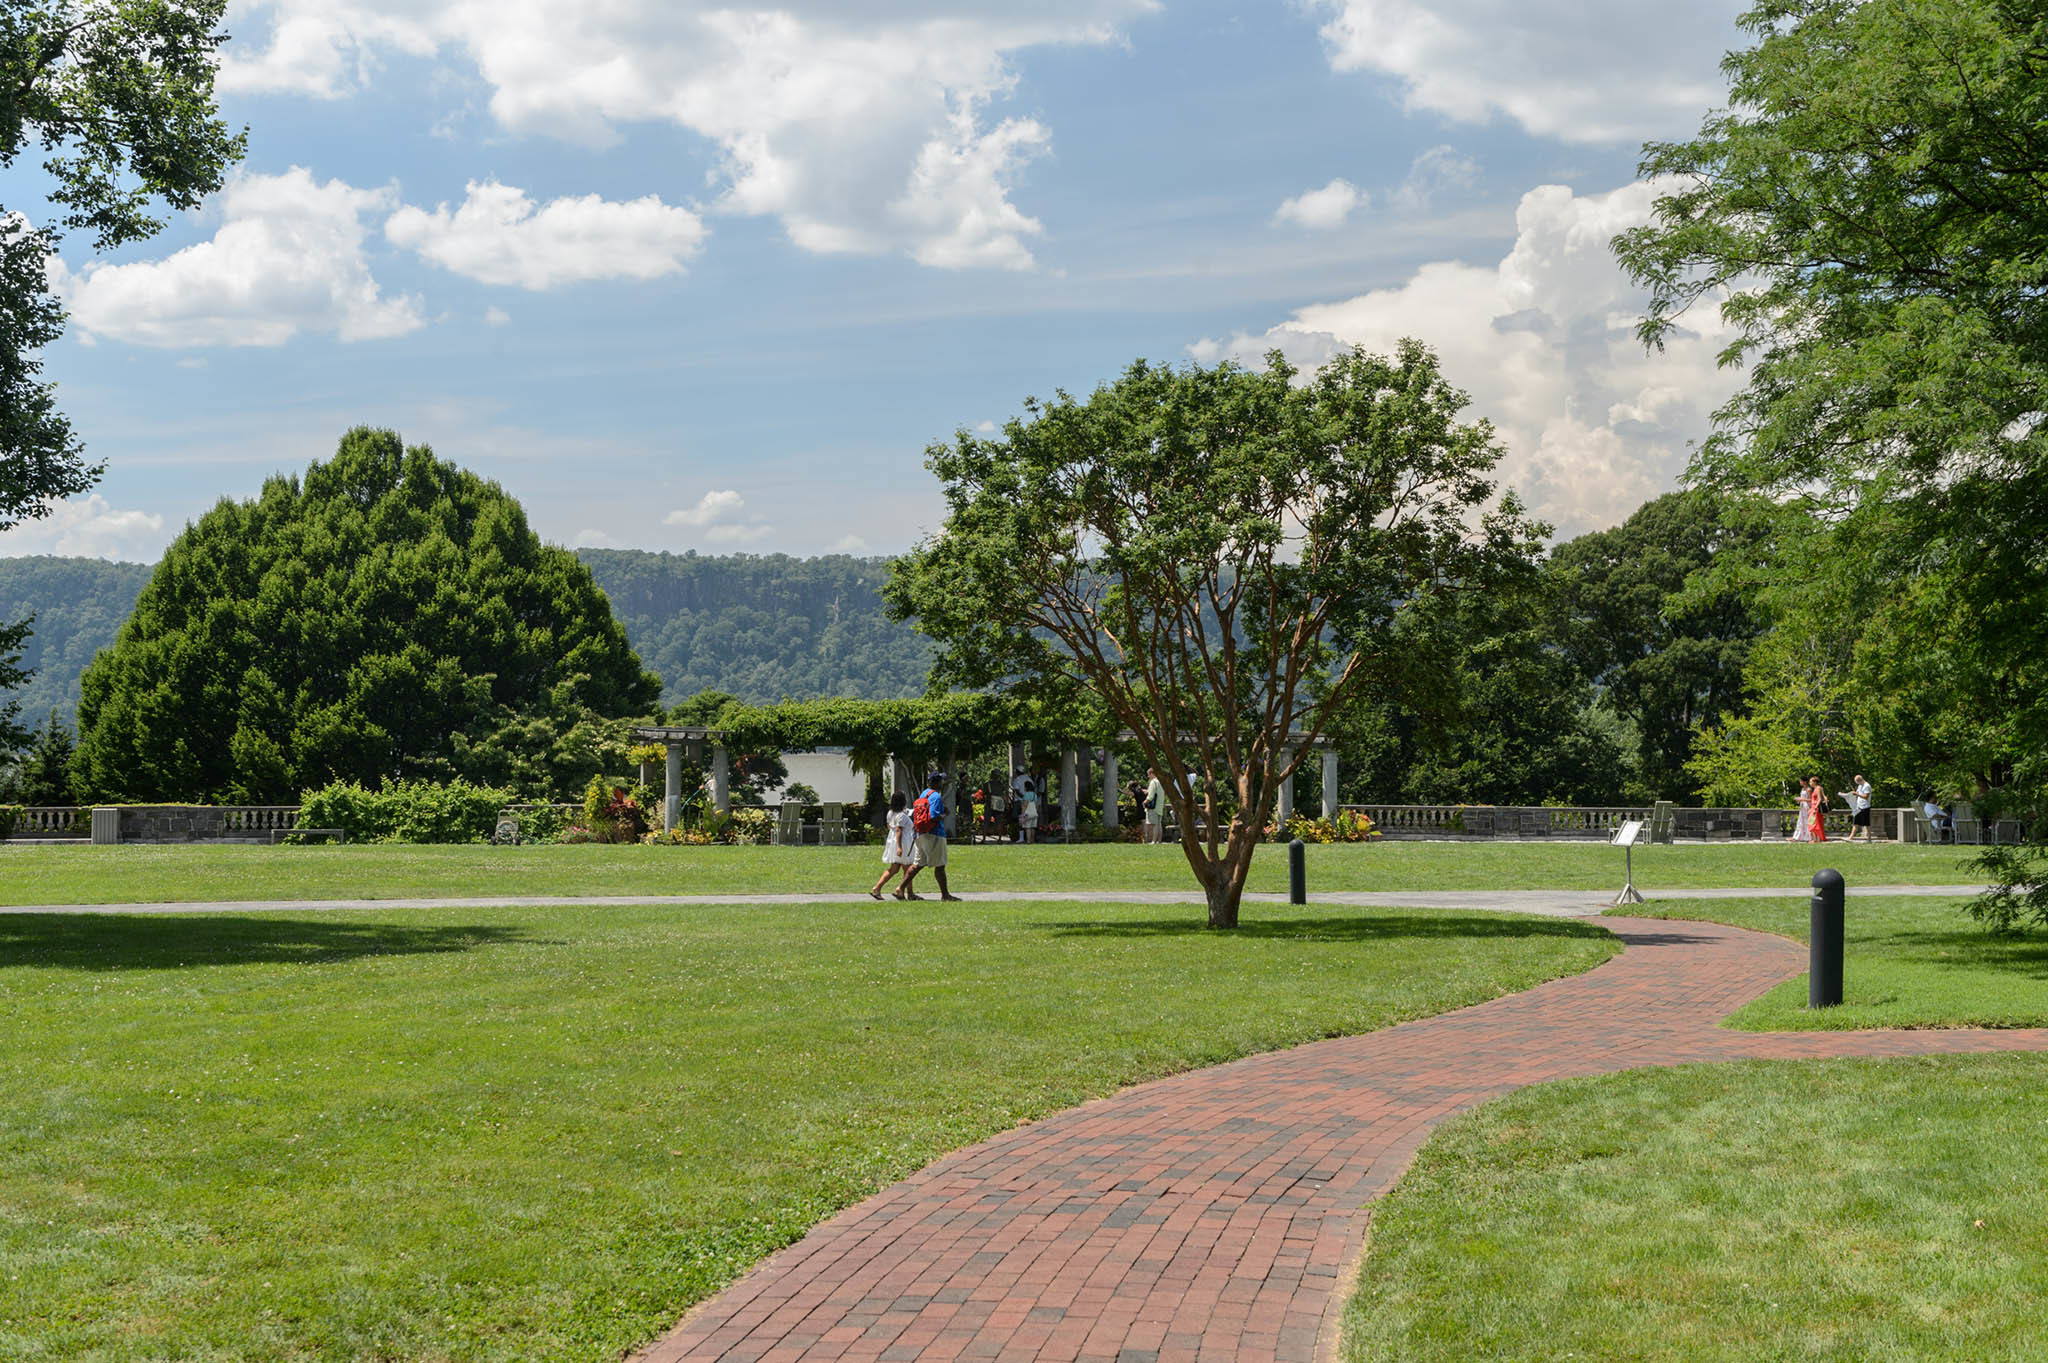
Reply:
x=1284 y=807
x=692 y=739
x=678 y=739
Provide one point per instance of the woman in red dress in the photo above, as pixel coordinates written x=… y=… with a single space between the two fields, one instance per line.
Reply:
x=1818 y=809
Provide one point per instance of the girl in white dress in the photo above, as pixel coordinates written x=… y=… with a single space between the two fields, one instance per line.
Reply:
x=1027 y=813
x=896 y=846
x=1801 y=832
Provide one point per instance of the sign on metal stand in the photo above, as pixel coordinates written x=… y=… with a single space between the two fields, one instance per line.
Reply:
x=1626 y=838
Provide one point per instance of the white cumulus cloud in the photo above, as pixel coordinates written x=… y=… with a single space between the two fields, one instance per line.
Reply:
x=1433 y=172
x=862 y=127
x=1322 y=209
x=288 y=257
x=497 y=235
x=87 y=527
x=1590 y=71
x=1544 y=341
x=713 y=506
x=716 y=519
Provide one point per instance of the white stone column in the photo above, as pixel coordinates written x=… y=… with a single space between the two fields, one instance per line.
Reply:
x=1069 y=788
x=672 y=796
x=1330 y=783
x=1109 y=790
x=721 y=780
x=1286 y=806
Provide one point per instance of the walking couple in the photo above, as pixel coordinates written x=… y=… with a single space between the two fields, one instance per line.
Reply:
x=916 y=841
x=1813 y=809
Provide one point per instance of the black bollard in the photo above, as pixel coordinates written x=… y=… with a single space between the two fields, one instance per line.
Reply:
x=1824 y=942
x=1297 y=872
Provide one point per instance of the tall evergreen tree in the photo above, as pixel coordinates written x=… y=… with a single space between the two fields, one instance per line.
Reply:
x=376 y=619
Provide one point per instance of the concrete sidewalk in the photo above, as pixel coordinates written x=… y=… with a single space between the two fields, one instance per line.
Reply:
x=1550 y=903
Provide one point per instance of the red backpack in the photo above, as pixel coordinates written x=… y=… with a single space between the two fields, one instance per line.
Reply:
x=921 y=818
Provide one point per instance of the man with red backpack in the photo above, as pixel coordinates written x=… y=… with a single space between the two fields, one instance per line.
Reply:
x=928 y=822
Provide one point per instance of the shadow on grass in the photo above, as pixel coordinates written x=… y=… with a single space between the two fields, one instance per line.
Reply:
x=1363 y=928
x=170 y=941
x=1976 y=949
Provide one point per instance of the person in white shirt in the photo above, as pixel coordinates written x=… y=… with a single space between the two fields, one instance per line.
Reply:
x=896 y=847
x=1858 y=796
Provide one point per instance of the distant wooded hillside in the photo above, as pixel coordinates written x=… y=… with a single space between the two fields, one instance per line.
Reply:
x=79 y=604
x=762 y=626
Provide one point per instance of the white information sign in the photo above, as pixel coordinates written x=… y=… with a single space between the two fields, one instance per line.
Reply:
x=1628 y=833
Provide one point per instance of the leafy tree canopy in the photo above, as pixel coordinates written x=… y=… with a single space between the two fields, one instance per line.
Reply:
x=119 y=93
x=1221 y=557
x=1645 y=621
x=387 y=616
x=1872 y=205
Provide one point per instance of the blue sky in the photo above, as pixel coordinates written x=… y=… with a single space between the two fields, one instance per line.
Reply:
x=689 y=277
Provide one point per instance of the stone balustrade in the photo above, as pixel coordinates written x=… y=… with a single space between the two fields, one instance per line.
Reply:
x=160 y=823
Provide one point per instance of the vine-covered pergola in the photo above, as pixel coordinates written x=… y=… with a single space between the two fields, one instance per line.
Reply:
x=913 y=737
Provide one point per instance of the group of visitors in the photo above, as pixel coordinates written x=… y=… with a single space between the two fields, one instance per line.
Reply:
x=1811 y=822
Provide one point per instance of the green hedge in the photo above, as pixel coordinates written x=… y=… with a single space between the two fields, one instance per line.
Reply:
x=10 y=815
x=406 y=811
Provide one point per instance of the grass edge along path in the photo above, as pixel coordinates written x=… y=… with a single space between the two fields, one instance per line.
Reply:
x=1908 y=962
x=1846 y=1209
x=540 y=1134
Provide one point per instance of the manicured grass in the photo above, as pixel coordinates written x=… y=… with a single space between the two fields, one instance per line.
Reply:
x=1906 y=963
x=1890 y=1211
x=542 y=1133
x=100 y=875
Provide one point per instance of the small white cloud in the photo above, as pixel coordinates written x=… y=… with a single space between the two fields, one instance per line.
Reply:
x=713 y=506
x=849 y=544
x=499 y=236
x=1322 y=210
x=716 y=518
x=1433 y=172
x=593 y=539
x=986 y=427
x=288 y=258
x=87 y=527
x=497 y=317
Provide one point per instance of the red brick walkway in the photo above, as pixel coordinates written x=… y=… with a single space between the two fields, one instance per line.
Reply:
x=1216 y=1215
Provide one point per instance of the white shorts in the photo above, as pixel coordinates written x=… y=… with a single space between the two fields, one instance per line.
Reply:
x=930 y=850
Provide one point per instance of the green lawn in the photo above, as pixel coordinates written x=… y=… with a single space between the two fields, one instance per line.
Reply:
x=1907 y=963
x=1860 y=1211
x=542 y=1133
x=88 y=875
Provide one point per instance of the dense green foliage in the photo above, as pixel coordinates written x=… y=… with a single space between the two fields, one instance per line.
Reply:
x=406 y=811
x=1874 y=196
x=78 y=605
x=763 y=627
x=119 y=93
x=40 y=774
x=386 y=617
x=1220 y=558
x=1651 y=613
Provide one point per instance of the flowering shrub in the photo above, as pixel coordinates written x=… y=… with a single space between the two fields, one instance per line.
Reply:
x=616 y=812
x=1346 y=827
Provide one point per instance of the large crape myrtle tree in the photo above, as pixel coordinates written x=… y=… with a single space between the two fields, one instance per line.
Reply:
x=1224 y=557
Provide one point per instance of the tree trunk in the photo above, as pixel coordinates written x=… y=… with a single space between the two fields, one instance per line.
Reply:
x=1223 y=879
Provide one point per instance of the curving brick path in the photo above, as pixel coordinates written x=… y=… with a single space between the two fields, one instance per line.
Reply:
x=1218 y=1215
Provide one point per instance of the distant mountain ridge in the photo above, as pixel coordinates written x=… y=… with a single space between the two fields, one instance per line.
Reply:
x=762 y=626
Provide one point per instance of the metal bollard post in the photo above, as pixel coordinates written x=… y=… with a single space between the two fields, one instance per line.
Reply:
x=1297 y=872
x=1824 y=942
